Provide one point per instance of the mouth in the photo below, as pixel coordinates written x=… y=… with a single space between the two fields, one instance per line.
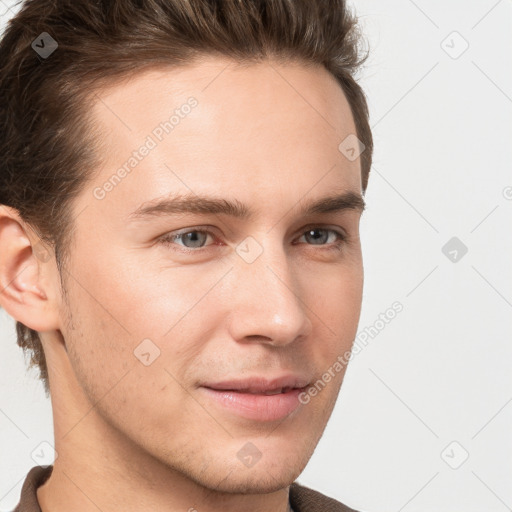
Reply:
x=262 y=385
x=268 y=392
x=257 y=398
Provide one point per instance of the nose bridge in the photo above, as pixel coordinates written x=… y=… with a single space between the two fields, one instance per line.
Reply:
x=267 y=302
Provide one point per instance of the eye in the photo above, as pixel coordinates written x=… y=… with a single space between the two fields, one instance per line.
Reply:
x=194 y=240
x=190 y=238
x=319 y=236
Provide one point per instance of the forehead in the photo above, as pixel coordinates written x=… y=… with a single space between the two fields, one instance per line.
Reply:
x=217 y=125
x=223 y=81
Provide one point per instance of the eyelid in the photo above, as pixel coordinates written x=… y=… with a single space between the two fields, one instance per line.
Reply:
x=338 y=229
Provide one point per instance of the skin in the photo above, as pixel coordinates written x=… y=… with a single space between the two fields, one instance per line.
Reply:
x=131 y=436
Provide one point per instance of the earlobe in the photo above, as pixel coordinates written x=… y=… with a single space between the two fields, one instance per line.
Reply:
x=22 y=284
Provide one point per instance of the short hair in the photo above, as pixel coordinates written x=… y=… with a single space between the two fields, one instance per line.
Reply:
x=48 y=147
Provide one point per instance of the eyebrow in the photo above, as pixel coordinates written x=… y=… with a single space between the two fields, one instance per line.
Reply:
x=192 y=203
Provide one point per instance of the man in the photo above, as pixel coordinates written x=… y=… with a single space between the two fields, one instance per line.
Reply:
x=185 y=372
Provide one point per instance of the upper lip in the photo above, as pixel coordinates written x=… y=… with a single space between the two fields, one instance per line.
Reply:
x=258 y=384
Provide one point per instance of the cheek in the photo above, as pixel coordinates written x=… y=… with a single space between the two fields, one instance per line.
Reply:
x=141 y=297
x=116 y=312
x=337 y=307
x=128 y=390
x=152 y=296
x=336 y=298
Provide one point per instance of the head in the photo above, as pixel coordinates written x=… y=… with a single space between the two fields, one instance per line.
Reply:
x=226 y=120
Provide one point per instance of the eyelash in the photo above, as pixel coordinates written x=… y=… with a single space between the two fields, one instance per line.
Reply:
x=168 y=239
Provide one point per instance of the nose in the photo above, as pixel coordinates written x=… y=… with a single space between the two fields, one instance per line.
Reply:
x=267 y=301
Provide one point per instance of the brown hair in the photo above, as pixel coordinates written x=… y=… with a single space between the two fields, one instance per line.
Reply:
x=47 y=144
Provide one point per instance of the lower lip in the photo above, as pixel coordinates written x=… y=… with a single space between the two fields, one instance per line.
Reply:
x=256 y=407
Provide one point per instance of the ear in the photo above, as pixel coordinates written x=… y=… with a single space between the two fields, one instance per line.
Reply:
x=27 y=274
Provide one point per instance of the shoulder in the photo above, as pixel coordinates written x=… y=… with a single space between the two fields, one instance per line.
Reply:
x=28 y=500
x=304 y=499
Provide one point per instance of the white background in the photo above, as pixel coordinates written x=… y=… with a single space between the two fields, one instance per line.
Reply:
x=439 y=372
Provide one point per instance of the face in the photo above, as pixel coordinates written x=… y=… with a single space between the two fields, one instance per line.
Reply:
x=165 y=302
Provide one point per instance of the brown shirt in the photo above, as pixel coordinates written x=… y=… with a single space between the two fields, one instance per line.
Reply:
x=302 y=499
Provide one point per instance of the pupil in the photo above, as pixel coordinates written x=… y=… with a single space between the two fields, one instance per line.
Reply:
x=192 y=236
x=316 y=231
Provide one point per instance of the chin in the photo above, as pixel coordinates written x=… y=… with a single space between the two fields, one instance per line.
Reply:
x=252 y=481
x=222 y=475
x=269 y=474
